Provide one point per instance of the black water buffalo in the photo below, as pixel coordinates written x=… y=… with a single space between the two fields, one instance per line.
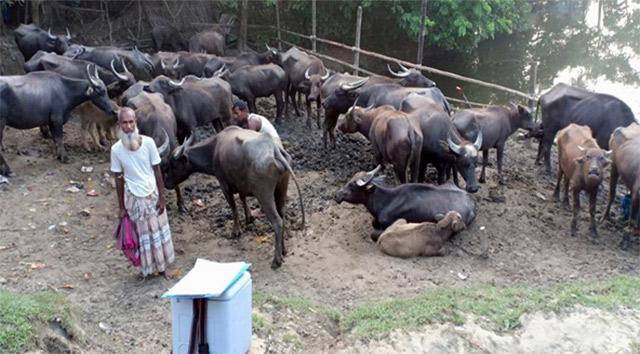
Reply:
x=413 y=202
x=116 y=82
x=305 y=74
x=338 y=94
x=138 y=62
x=210 y=42
x=443 y=147
x=406 y=77
x=247 y=163
x=195 y=102
x=393 y=94
x=396 y=138
x=31 y=38
x=45 y=99
x=181 y=64
x=496 y=123
x=601 y=112
x=252 y=81
x=167 y=37
x=234 y=63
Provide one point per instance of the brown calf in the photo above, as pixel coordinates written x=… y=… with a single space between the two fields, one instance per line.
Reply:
x=581 y=162
x=625 y=146
x=396 y=138
x=405 y=240
x=96 y=125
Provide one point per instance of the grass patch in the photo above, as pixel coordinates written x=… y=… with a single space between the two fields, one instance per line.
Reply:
x=502 y=307
x=260 y=324
x=20 y=315
x=294 y=303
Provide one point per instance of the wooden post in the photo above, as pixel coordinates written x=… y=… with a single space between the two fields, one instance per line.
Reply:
x=106 y=16
x=278 y=25
x=356 y=54
x=242 y=43
x=600 y=8
x=423 y=32
x=533 y=77
x=313 y=25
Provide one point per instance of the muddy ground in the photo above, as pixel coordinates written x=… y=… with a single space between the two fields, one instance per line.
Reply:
x=52 y=239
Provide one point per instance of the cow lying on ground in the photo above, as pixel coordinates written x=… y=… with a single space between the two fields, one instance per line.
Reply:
x=626 y=163
x=247 y=163
x=412 y=202
x=405 y=240
x=496 y=123
x=396 y=139
x=581 y=162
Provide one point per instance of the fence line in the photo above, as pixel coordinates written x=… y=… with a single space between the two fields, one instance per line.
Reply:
x=407 y=64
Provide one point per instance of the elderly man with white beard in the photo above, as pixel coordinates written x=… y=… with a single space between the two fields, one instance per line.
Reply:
x=135 y=161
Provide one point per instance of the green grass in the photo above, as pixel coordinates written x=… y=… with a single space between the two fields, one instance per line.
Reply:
x=20 y=315
x=500 y=307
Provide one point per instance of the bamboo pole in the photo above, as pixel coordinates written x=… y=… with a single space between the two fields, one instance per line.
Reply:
x=423 y=33
x=278 y=25
x=242 y=43
x=356 y=54
x=533 y=77
x=313 y=26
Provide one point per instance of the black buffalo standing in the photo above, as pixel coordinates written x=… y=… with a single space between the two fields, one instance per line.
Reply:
x=31 y=38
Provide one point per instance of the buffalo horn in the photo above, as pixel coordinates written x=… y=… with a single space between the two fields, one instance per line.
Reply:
x=116 y=73
x=181 y=149
x=581 y=148
x=403 y=67
x=162 y=64
x=162 y=150
x=306 y=74
x=369 y=177
x=221 y=71
x=177 y=63
x=68 y=34
x=51 y=35
x=398 y=74
x=124 y=66
x=354 y=85
x=326 y=75
x=177 y=84
x=478 y=142
x=453 y=146
x=272 y=50
x=93 y=79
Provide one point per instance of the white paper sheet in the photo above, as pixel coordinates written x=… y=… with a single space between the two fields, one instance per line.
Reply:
x=207 y=279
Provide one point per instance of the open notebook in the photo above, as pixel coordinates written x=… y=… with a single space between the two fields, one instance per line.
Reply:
x=207 y=279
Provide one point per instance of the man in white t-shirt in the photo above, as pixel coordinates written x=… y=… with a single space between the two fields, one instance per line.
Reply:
x=254 y=121
x=135 y=161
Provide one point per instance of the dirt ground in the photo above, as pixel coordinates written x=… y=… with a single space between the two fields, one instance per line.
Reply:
x=52 y=239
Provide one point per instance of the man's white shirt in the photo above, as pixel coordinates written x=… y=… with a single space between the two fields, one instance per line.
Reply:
x=136 y=166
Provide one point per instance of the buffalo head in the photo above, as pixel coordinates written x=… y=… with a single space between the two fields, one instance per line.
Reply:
x=97 y=91
x=466 y=160
x=163 y=85
x=58 y=44
x=125 y=79
x=315 y=82
x=524 y=119
x=344 y=96
x=592 y=163
x=274 y=55
x=351 y=121
x=359 y=187
x=176 y=167
x=172 y=70
x=411 y=77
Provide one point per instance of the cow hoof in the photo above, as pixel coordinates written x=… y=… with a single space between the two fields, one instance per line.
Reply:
x=276 y=263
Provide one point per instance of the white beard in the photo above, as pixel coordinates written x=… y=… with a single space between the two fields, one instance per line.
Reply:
x=131 y=141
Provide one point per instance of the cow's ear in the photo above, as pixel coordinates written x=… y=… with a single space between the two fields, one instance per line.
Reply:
x=439 y=216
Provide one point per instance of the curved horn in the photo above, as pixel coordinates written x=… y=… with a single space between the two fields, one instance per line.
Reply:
x=354 y=85
x=177 y=63
x=306 y=74
x=369 y=177
x=116 y=73
x=93 y=80
x=50 y=35
x=68 y=33
x=221 y=71
x=177 y=84
x=397 y=74
x=162 y=64
x=273 y=50
x=124 y=65
x=453 y=146
x=478 y=142
x=181 y=149
x=162 y=150
x=403 y=67
x=325 y=76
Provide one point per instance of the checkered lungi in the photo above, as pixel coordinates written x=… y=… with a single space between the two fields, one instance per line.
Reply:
x=154 y=234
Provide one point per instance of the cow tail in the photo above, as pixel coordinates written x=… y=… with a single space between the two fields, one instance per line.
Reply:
x=280 y=157
x=413 y=161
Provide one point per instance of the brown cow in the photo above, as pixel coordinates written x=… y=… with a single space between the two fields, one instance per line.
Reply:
x=396 y=138
x=405 y=240
x=625 y=146
x=96 y=126
x=581 y=162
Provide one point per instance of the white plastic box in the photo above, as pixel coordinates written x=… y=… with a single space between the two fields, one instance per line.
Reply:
x=228 y=320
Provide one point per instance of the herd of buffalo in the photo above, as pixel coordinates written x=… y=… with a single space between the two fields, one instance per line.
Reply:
x=406 y=118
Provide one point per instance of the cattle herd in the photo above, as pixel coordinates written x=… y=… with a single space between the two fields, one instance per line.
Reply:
x=406 y=118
